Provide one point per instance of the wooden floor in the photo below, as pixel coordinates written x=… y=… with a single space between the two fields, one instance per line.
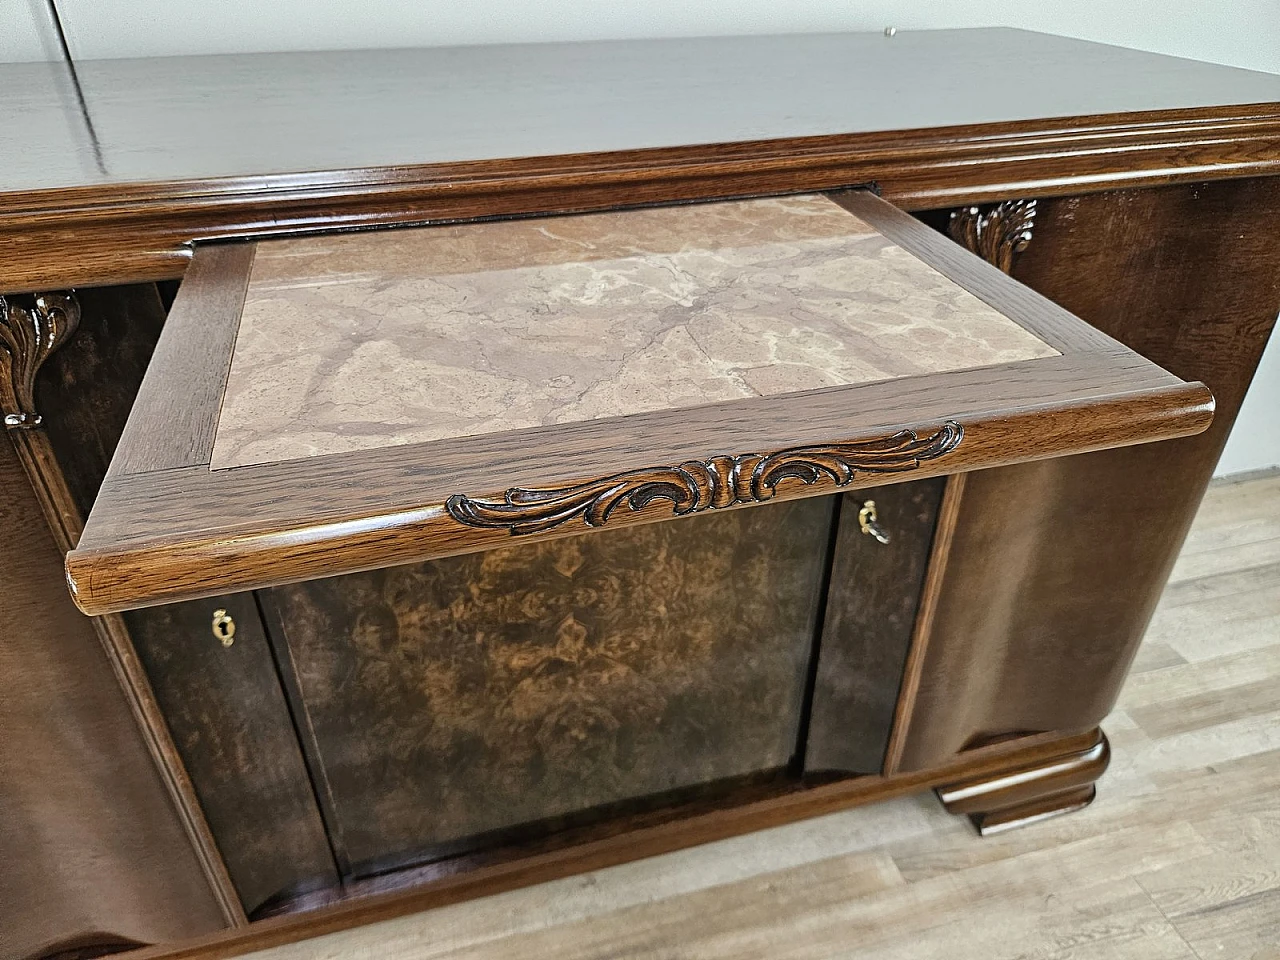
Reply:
x=1178 y=858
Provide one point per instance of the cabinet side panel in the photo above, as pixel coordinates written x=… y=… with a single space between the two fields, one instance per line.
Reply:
x=871 y=610
x=1057 y=566
x=225 y=709
x=92 y=851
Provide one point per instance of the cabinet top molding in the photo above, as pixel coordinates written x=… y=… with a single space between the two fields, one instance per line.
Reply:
x=138 y=158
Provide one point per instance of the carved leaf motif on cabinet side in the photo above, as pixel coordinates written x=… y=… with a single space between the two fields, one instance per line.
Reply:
x=28 y=337
x=997 y=233
x=697 y=485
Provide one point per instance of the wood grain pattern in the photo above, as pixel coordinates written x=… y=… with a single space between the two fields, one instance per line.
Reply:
x=922 y=629
x=86 y=387
x=105 y=233
x=93 y=851
x=185 y=532
x=227 y=714
x=144 y=232
x=872 y=600
x=1190 y=277
x=1027 y=794
x=1179 y=849
x=452 y=699
x=189 y=368
x=655 y=121
x=297 y=537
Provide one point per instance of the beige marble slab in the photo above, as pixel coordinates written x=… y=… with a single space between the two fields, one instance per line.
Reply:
x=404 y=336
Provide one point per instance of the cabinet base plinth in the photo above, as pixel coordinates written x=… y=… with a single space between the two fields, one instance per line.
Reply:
x=1029 y=793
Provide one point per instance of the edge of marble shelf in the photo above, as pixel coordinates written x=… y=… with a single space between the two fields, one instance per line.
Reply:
x=166 y=527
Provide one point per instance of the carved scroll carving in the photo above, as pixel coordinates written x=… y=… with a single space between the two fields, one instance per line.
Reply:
x=697 y=485
x=997 y=234
x=29 y=336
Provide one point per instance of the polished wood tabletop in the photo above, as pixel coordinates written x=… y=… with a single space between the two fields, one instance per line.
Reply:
x=111 y=172
x=186 y=118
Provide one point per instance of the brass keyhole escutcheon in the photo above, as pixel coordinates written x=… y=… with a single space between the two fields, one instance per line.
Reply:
x=224 y=628
x=869 y=522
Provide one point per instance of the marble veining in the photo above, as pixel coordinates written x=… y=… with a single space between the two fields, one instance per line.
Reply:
x=405 y=336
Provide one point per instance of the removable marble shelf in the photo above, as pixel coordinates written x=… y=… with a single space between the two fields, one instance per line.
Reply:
x=330 y=404
x=373 y=339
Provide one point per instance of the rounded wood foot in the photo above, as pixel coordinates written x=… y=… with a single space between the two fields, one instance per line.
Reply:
x=1030 y=792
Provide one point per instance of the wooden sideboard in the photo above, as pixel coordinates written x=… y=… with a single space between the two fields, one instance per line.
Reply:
x=316 y=753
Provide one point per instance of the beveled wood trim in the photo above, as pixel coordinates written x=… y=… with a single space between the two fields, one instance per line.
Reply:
x=1029 y=792
x=119 y=233
x=140 y=561
x=188 y=371
x=133 y=680
x=1034 y=313
x=622 y=848
x=167 y=528
x=939 y=552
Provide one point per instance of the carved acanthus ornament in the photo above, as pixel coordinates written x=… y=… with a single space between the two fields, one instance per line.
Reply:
x=28 y=337
x=696 y=485
x=997 y=233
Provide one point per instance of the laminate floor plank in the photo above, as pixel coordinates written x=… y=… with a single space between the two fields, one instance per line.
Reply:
x=1156 y=655
x=1178 y=858
x=1245 y=620
x=813 y=911
x=1236 y=528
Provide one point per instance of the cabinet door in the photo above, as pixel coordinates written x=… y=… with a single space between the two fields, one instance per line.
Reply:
x=553 y=683
x=215 y=679
x=870 y=616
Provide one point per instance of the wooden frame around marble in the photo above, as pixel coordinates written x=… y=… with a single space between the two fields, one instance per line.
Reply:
x=167 y=528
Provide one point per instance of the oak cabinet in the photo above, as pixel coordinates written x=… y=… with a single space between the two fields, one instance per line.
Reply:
x=407 y=593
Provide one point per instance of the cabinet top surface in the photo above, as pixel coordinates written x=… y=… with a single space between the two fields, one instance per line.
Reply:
x=375 y=339
x=186 y=119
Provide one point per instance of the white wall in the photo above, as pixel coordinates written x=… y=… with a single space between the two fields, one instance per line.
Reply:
x=1255 y=439
x=1241 y=32
x=26 y=32
x=1244 y=33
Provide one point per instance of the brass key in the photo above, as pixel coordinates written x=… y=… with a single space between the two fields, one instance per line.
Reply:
x=869 y=522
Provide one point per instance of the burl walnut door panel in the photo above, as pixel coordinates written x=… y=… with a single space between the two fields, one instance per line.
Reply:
x=225 y=707
x=467 y=695
x=867 y=627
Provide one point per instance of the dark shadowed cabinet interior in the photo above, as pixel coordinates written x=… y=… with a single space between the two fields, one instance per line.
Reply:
x=624 y=446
